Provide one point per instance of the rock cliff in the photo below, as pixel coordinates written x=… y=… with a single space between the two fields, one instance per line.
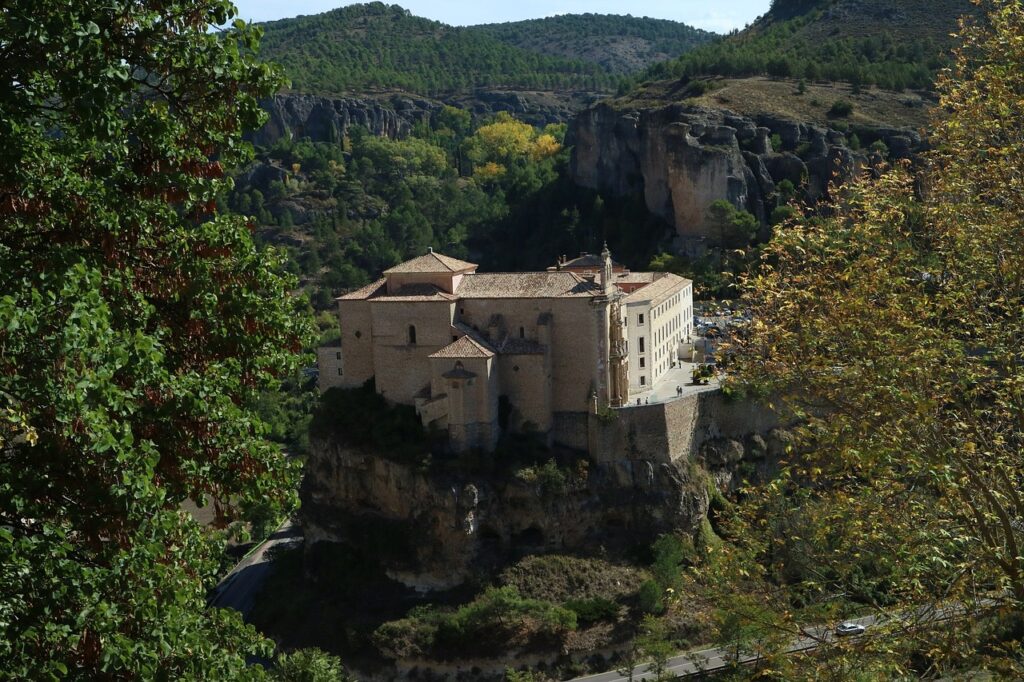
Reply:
x=434 y=528
x=682 y=158
x=326 y=119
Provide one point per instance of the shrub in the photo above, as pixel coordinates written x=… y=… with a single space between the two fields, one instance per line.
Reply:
x=651 y=598
x=781 y=214
x=880 y=147
x=840 y=109
x=492 y=620
x=594 y=609
x=361 y=417
x=309 y=665
x=550 y=479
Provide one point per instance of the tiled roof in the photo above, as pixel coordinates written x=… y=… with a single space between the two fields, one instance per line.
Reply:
x=366 y=292
x=465 y=347
x=635 y=278
x=410 y=292
x=430 y=263
x=659 y=289
x=526 y=285
x=514 y=346
x=587 y=261
x=419 y=292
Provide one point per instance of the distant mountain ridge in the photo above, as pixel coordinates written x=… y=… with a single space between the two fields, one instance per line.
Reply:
x=894 y=45
x=619 y=44
x=375 y=47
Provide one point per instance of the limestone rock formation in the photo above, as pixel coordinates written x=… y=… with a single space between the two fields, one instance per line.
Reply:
x=683 y=158
x=327 y=119
x=324 y=119
x=433 y=527
x=433 y=530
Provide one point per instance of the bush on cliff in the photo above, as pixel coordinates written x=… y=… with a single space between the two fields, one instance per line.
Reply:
x=490 y=625
x=361 y=418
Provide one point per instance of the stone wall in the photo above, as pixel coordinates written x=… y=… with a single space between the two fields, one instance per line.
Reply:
x=402 y=369
x=678 y=429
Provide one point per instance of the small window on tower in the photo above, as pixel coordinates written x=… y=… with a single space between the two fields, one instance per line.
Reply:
x=337 y=356
x=640 y=319
x=522 y=333
x=412 y=334
x=643 y=362
x=340 y=373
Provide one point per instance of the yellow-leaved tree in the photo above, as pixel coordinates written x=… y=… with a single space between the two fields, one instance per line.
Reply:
x=892 y=330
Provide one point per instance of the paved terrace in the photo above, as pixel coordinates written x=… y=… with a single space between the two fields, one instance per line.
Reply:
x=665 y=390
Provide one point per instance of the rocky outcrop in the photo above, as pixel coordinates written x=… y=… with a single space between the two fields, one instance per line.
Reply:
x=324 y=119
x=327 y=119
x=683 y=158
x=431 y=531
x=432 y=527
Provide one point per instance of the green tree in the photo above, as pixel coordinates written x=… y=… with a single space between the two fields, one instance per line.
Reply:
x=309 y=665
x=136 y=328
x=656 y=645
x=734 y=228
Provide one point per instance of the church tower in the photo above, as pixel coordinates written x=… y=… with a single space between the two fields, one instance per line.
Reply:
x=607 y=272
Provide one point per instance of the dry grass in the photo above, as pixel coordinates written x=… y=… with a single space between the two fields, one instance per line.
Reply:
x=759 y=95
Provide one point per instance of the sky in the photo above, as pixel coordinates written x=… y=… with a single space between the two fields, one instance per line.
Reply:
x=720 y=16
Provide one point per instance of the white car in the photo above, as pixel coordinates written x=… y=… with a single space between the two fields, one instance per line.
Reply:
x=849 y=629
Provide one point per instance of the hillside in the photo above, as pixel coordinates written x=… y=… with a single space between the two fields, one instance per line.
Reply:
x=376 y=47
x=619 y=44
x=894 y=45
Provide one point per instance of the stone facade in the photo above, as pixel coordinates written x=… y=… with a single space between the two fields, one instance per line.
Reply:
x=482 y=353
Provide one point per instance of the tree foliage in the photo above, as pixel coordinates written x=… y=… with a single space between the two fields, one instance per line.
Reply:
x=136 y=329
x=374 y=46
x=891 y=330
x=807 y=39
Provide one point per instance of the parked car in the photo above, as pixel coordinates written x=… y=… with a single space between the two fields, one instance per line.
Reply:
x=849 y=629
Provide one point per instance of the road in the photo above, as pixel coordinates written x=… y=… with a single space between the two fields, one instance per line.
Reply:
x=238 y=589
x=693 y=663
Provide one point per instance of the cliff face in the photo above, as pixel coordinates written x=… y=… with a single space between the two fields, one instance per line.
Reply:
x=324 y=119
x=683 y=158
x=433 y=529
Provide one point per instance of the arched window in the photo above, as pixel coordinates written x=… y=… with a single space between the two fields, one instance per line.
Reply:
x=412 y=334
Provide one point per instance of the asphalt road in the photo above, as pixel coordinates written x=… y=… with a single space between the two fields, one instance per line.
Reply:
x=239 y=588
x=694 y=663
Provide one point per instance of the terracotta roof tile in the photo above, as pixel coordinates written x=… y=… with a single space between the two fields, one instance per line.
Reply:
x=465 y=347
x=430 y=263
x=364 y=293
x=660 y=288
x=526 y=285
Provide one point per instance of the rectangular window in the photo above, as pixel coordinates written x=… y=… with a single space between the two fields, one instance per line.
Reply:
x=643 y=381
x=641 y=344
x=643 y=363
x=338 y=356
x=340 y=372
x=640 y=319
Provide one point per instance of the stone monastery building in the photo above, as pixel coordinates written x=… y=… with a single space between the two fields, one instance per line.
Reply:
x=479 y=353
